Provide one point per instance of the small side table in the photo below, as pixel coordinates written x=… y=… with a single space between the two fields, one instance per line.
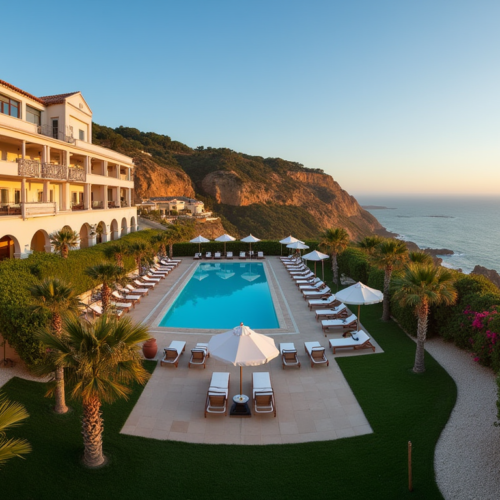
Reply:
x=240 y=407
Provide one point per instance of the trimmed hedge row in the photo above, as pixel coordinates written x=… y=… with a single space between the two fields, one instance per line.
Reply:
x=18 y=321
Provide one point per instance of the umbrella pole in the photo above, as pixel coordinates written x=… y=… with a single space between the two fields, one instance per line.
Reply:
x=323 y=268
x=314 y=268
x=359 y=314
x=241 y=380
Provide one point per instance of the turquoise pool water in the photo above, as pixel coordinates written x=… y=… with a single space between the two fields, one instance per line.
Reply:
x=221 y=295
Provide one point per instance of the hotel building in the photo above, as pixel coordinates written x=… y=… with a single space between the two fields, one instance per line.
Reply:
x=53 y=177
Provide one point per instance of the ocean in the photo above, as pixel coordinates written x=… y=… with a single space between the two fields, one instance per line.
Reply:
x=470 y=226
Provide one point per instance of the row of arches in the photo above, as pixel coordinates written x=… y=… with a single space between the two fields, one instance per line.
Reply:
x=40 y=242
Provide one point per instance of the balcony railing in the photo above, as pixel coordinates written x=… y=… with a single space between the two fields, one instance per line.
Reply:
x=38 y=209
x=97 y=205
x=33 y=168
x=56 y=133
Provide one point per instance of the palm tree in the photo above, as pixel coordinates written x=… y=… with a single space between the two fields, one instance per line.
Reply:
x=388 y=255
x=116 y=251
x=177 y=233
x=369 y=243
x=58 y=299
x=11 y=414
x=141 y=252
x=160 y=241
x=421 y=258
x=64 y=240
x=334 y=241
x=105 y=274
x=102 y=358
x=420 y=287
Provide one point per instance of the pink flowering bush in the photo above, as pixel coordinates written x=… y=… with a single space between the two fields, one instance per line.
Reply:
x=485 y=340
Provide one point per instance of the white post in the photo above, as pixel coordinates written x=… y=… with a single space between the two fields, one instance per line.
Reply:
x=23 y=149
x=46 y=191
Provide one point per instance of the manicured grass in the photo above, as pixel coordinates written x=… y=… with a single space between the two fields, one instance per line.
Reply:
x=399 y=405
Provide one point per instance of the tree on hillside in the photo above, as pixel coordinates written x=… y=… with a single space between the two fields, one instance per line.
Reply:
x=421 y=258
x=11 y=415
x=58 y=299
x=420 y=287
x=387 y=255
x=64 y=240
x=159 y=242
x=369 y=243
x=334 y=241
x=178 y=233
x=116 y=251
x=106 y=274
x=102 y=359
x=141 y=252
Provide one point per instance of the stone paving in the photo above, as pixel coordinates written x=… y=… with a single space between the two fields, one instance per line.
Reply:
x=312 y=404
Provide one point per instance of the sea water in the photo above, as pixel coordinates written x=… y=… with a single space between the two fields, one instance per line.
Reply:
x=470 y=226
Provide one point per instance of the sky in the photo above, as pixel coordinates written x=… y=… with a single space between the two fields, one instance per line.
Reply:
x=387 y=96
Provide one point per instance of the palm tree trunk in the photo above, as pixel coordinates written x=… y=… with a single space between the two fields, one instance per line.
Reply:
x=163 y=250
x=171 y=250
x=335 y=269
x=423 y=319
x=105 y=296
x=92 y=428
x=60 y=397
x=64 y=251
x=119 y=260
x=386 y=314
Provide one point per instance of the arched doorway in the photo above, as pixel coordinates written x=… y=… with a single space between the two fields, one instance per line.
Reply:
x=40 y=242
x=102 y=233
x=133 y=225
x=66 y=228
x=124 y=228
x=114 y=230
x=84 y=236
x=9 y=246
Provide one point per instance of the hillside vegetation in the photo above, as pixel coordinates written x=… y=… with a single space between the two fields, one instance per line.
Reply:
x=270 y=197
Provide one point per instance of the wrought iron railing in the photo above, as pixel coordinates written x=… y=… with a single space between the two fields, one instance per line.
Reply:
x=97 y=204
x=77 y=174
x=54 y=171
x=28 y=168
x=57 y=133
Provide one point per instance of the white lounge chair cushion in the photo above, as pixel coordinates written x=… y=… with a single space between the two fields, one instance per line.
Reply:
x=349 y=341
x=219 y=383
x=327 y=300
x=339 y=322
x=140 y=283
x=122 y=305
x=178 y=345
x=262 y=383
x=229 y=254
x=310 y=346
x=316 y=293
x=330 y=312
x=132 y=297
x=287 y=346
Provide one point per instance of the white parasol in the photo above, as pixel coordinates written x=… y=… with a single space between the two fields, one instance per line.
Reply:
x=199 y=239
x=360 y=295
x=250 y=239
x=287 y=241
x=224 y=239
x=317 y=256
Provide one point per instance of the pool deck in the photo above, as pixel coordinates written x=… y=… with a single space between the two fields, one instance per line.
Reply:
x=313 y=404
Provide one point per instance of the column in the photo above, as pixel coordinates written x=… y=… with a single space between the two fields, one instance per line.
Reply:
x=68 y=158
x=129 y=197
x=23 y=190
x=105 y=197
x=105 y=168
x=23 y=149
x=86 y=197
x=86 y=164
x=116 y=196
x=117 y=171
x=47 y=157
x=46 y=191
x=66 y=196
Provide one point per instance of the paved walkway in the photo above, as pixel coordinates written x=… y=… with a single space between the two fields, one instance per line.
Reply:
x=312 y=403
x=467 y=456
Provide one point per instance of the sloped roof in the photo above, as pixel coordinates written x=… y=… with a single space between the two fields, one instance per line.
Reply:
x=20 y=91
x=55 y=99
x=174 y=198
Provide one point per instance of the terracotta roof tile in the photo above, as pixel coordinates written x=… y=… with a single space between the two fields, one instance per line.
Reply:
x=16 y=89
x=55 y=99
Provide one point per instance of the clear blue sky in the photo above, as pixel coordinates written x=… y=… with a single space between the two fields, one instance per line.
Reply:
x=392 y=96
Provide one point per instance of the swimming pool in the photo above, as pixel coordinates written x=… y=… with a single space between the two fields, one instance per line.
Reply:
x=222 y=295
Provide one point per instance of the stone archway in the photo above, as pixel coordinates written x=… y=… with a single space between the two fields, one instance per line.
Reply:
x=86 y=240
x=102 y=233
x=9 y=248
x=124 y=228
x=114 y=230
x=40 y=242
x=133 y=225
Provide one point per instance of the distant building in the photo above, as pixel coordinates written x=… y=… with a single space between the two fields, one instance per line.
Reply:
x=52 y=176
x=180 y=204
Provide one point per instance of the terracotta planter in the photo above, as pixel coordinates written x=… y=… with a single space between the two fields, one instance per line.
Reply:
x=149 y=349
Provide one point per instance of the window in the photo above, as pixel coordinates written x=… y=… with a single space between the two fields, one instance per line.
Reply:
x=81 y=135
x=74 y=198
x=33 y=115
x=4 y=196
x=17 y=196
x=9 y=106
x=40 y=196
x=55 y=128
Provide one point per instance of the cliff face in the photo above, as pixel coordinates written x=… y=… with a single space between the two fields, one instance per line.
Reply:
x=154 y=180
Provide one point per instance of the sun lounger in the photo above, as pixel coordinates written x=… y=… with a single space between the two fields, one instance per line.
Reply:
x=302 y=277
x=127 y=298
x=349 y=323
x=243 y=255
x=197 y=256
x=168 y=261
x=150 y=279
x=136 y=290
x=300 y=272
x=330 y=301
x=96 y=309
x=263 y=394
x=260 y=255
x=316 y=353
x=173 y=353
x=308 y=281
x=229 y=255
x=142 y=285
x=217 y=394
x=315 y=287
x=357 y=340
x=156 y=273
x=124 y=306
x=208 y=255
x=217 y=255
x=199 y=355
x=317 y=294
x=337 y=312
x=289 y=355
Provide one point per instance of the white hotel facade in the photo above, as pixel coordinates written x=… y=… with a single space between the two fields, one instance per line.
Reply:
x=53 y=177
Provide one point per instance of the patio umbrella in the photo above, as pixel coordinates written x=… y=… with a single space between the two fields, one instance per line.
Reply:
x=287 y=241
x=241 y=347
x=298 y=245
x=315 y=256
x=250 y=239
x=225 y=238
x=199 y=239
x=360 y=295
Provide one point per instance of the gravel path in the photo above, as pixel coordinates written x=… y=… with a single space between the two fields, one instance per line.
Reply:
x=467 y=457
x=19 y=370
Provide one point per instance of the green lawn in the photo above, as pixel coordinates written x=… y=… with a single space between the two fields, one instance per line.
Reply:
x=399 y=405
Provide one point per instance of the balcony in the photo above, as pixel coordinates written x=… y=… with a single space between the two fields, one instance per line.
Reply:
x=56 y=133
x=32 y=168
x=28 y=209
